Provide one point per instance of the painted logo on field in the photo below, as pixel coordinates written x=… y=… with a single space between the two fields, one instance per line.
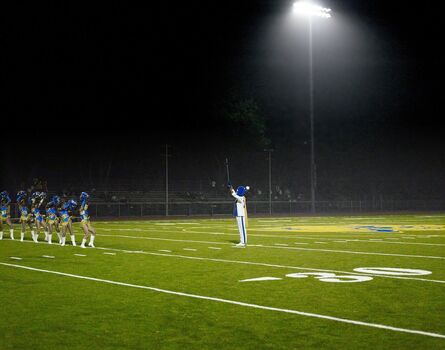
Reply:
x=355 y=228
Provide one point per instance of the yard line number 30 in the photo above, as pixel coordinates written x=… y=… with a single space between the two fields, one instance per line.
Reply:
x=334 y=278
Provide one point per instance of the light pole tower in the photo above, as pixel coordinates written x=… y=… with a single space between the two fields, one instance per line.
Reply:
x=269 y=150
x=310 y=10
x=166 y=179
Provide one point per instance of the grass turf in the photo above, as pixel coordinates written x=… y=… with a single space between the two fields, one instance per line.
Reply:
x=42 y=310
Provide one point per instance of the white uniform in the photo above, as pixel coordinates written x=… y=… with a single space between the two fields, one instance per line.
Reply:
x=240 y=214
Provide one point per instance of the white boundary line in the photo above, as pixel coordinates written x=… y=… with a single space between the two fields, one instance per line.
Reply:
x=233 y=302
x=280 y=247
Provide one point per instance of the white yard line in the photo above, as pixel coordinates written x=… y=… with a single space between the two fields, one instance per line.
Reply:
x=165 y=239
x=79 y=254
x=354 y=252
x=190 y=249
x=241 y=262
x=109 y=253
x=164 y=250
x=311 y=237
x=48 y=256
x=279 y=221
x=15 y=258
x=279 y=247
x=233 y=302
x=215 y=248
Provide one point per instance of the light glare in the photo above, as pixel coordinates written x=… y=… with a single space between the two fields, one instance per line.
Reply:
x=308 y=9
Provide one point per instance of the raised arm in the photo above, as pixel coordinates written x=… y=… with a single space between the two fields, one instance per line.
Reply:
x=238 y=198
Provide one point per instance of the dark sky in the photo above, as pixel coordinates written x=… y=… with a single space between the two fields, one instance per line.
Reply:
x=84 y=83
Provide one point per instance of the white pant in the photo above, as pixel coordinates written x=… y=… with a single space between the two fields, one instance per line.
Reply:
x=241 y=221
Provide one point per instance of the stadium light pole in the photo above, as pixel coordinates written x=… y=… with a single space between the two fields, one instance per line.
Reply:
x=310 y=10
x=269 y=150
x=166 y=179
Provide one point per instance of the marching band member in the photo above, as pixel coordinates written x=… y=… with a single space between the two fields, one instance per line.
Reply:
x=65 y=214
x=240 y=212
x=5 y=214
x=25 y=215
x=88 y=229
x=52 y=221
x=37 y=199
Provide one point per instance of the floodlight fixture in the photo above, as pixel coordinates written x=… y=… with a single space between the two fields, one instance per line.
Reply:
x=308 y=9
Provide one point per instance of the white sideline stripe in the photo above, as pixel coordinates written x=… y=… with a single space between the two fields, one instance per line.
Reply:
x=110 y=253
x=79 y=254
x=190 y=249
x=15 y=258
x=277 y=236
x=278 y=247
x=281 y=244
x=214 y=248
x=233 y=302
x=264 y=264
x=300 y=243
x=164 y=250
x=320 y=242
x=48 y=256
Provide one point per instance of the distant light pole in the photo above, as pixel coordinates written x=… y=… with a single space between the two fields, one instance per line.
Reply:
x=269 y=150
x=166 y=179
x=310 y=10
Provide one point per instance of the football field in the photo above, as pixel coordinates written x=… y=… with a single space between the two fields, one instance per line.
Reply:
x=343 y=282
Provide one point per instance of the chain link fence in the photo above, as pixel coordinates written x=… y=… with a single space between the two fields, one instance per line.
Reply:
x=215 y=208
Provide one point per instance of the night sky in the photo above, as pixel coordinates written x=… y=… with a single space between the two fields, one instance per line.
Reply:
x=91 y=90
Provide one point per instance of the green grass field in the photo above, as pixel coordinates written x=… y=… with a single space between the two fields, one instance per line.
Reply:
x=176 y=284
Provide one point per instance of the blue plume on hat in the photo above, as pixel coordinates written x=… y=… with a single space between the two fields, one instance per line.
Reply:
x=240 y=191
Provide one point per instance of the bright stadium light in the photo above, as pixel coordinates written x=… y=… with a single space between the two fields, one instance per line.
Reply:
x=308 y=9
